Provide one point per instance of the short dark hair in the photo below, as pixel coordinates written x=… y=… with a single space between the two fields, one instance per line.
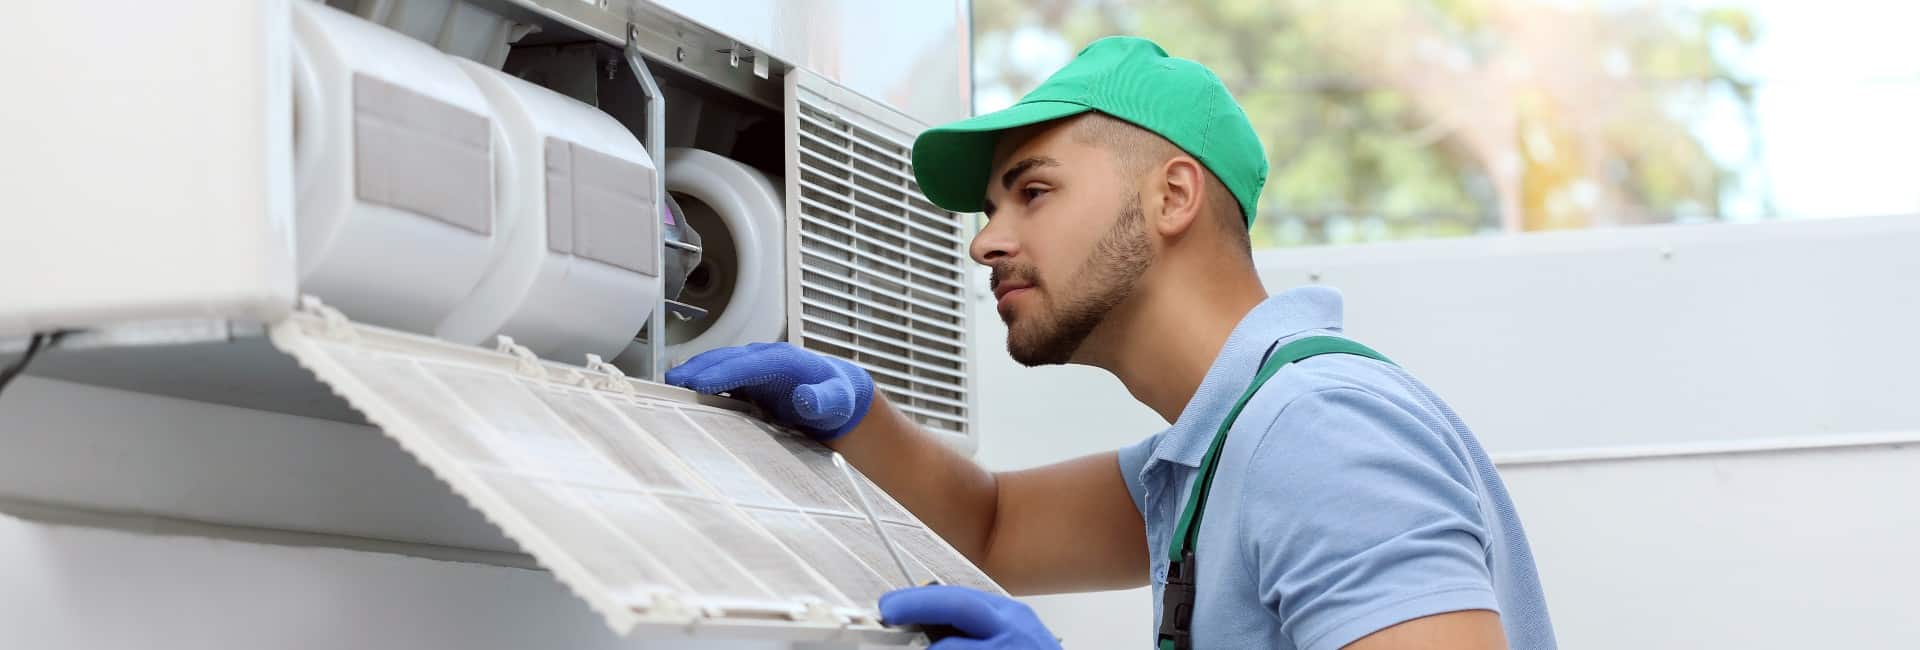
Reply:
x=1138 y=149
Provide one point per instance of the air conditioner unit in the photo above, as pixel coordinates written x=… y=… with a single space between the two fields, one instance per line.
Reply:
x=487 y=227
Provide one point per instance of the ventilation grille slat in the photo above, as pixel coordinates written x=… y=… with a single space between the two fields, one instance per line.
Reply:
x=882 y=272
x=833 y=199
x=903 y=263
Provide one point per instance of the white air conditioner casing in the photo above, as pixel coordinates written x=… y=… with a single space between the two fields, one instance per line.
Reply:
x=460 y=28
x=175 y=206
x=144 y=180
x=418 y=200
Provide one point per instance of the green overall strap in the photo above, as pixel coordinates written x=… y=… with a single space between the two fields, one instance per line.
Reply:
x=1175 y=628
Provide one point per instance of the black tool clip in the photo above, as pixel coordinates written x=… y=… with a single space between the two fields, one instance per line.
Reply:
x=1176 y=603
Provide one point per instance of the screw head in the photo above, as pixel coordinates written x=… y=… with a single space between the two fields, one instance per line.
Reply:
x=680 y=54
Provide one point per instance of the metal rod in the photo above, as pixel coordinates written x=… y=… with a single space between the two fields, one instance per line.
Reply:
x=867 y=508
x=657 y=149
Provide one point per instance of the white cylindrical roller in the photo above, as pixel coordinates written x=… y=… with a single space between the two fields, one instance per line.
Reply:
x=740 y=216
x=394 y=172
x=578 y=271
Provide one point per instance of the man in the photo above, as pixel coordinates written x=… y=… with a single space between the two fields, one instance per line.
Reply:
x=1347 y=505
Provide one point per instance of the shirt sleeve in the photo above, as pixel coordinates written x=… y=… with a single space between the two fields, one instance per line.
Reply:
x=1133 y=459
x=1364 y=516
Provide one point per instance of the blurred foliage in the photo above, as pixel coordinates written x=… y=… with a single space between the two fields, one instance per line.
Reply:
x=1398 y=119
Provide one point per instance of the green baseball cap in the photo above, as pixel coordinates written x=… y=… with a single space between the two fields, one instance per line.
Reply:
x=1126 y=77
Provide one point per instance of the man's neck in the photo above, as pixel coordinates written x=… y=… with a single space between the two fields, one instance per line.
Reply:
x=1164 y=340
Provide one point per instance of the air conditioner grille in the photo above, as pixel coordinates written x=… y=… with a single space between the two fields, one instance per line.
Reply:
x=881 y=272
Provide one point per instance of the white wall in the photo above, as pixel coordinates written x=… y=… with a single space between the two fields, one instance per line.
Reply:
x=1630 y=383
x=1645 y=336
x=1810 y=549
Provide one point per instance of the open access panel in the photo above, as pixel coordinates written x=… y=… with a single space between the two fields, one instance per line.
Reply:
x=669 y=513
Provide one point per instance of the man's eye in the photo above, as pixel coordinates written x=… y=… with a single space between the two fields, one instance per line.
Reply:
x=1032 y=193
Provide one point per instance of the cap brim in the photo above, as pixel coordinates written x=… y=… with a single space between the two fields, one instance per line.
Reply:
x=953 y=162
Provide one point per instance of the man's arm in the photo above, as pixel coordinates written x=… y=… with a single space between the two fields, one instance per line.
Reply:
x=1070 y=526
x=1475 y=629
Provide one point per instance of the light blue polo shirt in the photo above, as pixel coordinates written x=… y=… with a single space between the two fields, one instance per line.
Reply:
x=1349 y=498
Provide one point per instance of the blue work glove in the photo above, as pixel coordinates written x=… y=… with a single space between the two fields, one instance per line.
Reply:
x=985 y=621
x=821 y=396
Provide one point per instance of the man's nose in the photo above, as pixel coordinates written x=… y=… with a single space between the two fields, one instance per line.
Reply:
x=993 y=243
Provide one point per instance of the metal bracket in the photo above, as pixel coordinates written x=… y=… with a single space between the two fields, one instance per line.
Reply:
x=684 y=311
x=656 y=149
x=736 y=53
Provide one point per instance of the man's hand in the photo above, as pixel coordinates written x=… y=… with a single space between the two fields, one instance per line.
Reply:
x=985 y=621
x=821 y=396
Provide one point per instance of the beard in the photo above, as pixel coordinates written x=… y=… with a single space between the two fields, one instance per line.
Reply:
x=1054 y=333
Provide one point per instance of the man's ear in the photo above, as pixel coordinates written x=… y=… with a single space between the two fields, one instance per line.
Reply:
x=1182 y=196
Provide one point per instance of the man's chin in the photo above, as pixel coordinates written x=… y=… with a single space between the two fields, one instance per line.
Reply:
x=1029 y=358
x=1022 y=351
x=1032 y=353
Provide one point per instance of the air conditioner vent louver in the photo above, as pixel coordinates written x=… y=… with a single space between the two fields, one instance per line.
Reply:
x=881 y=272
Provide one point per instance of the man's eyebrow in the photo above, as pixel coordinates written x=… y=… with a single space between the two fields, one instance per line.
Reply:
x=1014 y=172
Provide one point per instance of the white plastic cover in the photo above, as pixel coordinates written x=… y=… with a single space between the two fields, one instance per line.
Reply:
x=663 y=510
x=393 y=165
